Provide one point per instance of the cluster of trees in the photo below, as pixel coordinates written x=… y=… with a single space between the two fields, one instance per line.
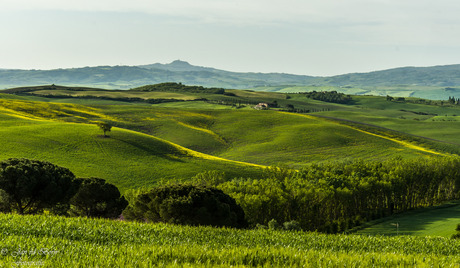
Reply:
x=397 y=99
x=186 y=204
x=329 y=96
x=32 y=187
x=290 y=108
x=179 y=87
x=454 y=101
x=334 y=197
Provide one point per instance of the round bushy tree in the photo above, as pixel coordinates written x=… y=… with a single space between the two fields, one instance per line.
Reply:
x=97 y=198
x=30 y=186
x=186 y=204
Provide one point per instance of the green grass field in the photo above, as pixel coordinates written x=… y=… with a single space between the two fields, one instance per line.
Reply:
x=435 y=221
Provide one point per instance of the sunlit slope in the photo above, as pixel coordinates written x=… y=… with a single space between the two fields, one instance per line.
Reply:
x=265 y=137
x=126 y=158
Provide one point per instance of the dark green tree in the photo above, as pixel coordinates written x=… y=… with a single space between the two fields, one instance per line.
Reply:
x=97 y=198
x=105 y=127
x=30 y=186
x=186 y=204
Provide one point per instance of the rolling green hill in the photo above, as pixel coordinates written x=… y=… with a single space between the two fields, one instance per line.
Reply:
x=128 y=159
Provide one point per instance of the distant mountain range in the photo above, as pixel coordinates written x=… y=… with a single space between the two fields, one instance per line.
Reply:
x=124 y=77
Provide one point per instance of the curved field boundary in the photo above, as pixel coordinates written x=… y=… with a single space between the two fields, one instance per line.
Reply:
x=207 y=131
x=400 y=142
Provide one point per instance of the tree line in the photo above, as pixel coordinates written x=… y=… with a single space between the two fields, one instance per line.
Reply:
x=328 y=197
x=179 y=87
x=329 y=96
x=123 y=99
x=334 y=197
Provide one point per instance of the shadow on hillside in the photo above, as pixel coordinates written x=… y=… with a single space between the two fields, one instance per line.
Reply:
x=162 y=150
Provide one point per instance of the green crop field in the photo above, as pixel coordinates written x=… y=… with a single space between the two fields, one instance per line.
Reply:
x=34 y=241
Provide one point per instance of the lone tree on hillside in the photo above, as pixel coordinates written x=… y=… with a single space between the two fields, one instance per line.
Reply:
x=97 y=198
x=186 y=204
x=105 y=127
x=30 y=186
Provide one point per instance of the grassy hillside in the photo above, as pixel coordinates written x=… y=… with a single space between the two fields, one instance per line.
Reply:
x=81 y=242
x=435 y=221
x=431 y=121
x=244 y=134
x=127 y=159
x=292 y=139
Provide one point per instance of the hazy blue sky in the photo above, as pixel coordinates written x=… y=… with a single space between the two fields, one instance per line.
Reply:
x=313 y=37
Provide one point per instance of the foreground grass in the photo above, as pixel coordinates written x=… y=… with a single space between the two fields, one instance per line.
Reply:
x=435 y=221
x=79 y=242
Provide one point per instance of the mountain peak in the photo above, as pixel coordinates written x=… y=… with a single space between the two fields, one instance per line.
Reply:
x=180 y=63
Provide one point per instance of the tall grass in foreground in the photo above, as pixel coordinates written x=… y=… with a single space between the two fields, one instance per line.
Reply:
x=79 y=242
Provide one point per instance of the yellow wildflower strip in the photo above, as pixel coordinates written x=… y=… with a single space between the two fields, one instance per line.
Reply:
x=193 y=153
x=34 y=110
x=17 y=114
x=401 y=142
x=90 y=111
